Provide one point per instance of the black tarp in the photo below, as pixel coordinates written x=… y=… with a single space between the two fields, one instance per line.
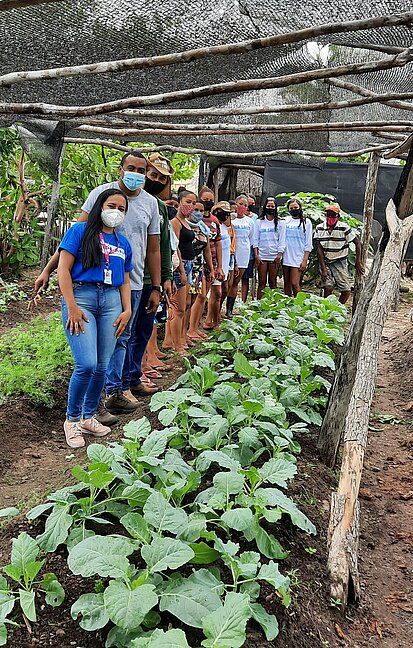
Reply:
x=344 y=180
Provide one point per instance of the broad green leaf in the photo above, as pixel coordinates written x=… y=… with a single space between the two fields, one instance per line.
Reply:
x=167 y=416
x=10 y=511
x=37 y=511
x=251 y=405
x=76 y=535
x=155 y=443
x=33 y=568
x=276 y=498
x=243 y=367
x=271 y=574
x=263 y=348
x=225 y=397
x=136 y=526
x=93 y=611
x=101 y=555
x=209 y=578
x=3 y=634
x=162 y=516
x=6 y=599
x=166 y=553
x=237 y=518
x=127 y=608
x=55 y=594
x=323 y=360
x=188 y=601
x=137 y=493
x=249 y=436
x=136 y=430
x=207 y=457
x=174 y=462
x=204 y=554
x=230 y=483
x=118 y=638
x=225 y=628
x=277 y=471
x=160 y=639
x=268 y=622
x=152 y=619
x=100 y=453
x=24 y=551
x=27 y=604
x=196 y=524
x=266 y=542
x=56 y=529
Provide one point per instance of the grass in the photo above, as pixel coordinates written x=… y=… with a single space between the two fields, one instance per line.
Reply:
x=32 y=359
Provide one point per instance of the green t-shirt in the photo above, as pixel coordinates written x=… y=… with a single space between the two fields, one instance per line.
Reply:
x=165 y=246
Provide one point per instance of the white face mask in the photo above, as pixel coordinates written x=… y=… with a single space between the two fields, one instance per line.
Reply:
x=112 y=217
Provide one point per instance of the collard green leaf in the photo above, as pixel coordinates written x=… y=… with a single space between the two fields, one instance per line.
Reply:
x=167 y=416
x=6 y=600
x=209 y=578
x=249 y=436
x=276 y=498
x=268 y=622
x=159 y=639
x=55 y=594
x=155 y=444
x=271 y=574
x=237 y=518
x=229 y=482
x=196 y=524
x=127 y=607
x=162 y=515
x=10 y=511
x=136 y=430
x=27 y=604
x=3 y=634
x=136 y=526
x=24 y=551
x=207 y=457
x=188 y=601
x=277 y=471
x=204 y=554
x=225 y=628
x=243 y=367
x=225 y=398
x=101 y=555
x=56 y=529
x=93 y=611
x=76 y=535
x=100 y=454
x=166 y=553
x=37 y=511
x=266 y=542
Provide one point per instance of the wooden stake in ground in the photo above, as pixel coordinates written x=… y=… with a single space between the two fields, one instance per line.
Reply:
x=344 y=520
x=368 y=212
x=52 y=212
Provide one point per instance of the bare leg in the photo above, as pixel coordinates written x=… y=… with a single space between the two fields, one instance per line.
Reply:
x=244 y=289
x=178 y=305
x=295 y=277
x=214 y=306
x=344 y=296
x=272 y=275
x=262 y=277
x=196 y=313
x=287 y=281
x=327 y=291
x=234 y=288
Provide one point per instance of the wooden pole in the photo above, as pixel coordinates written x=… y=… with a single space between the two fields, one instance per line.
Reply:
x=345 y=518
x=227 y=154
x=243 y=47
x=239 y=86
x=52 y=212
x=368 y=213
x=6 y=5
x=352 y=87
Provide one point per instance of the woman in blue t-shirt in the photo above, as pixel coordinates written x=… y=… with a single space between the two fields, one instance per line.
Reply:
x=94 y=266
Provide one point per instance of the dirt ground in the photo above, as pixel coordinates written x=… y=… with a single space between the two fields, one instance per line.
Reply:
x=34 y=459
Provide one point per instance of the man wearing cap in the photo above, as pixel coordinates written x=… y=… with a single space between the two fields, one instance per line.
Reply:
x=157 y=182
x=333 y=238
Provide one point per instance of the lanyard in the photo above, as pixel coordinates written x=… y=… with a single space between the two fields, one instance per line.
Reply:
x=105 y=250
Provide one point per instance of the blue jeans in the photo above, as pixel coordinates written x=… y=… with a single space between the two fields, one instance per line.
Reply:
x=140 y=334
x=115 y=369
x=92 y=349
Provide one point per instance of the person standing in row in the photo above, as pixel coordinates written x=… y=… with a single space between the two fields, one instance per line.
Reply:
x=299 y=235
x=333 y=239
x=269 y=244
x=243 y=226
x=215 y=243
x=94 y=266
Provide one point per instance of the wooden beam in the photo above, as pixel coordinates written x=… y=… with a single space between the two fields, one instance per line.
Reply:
x=175 y=58
x=404 y=147
x=7 y=5
x=368 y=213
x=352 y=87
x=229 y=87
x=226 y=154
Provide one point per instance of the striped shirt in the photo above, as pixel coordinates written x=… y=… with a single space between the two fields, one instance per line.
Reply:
x=335 y=243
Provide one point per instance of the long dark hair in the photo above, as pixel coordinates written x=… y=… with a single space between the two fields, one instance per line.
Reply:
x=299 y=203
x=264 y=210
x=91 y=249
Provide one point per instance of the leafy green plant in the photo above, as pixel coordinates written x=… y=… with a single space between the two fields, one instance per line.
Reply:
x=10 y=292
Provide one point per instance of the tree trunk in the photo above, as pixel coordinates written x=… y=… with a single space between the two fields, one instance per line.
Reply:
x=368 y=213
x=52 y=213
x=344 y=521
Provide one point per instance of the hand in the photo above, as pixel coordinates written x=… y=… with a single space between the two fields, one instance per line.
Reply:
x=303 y=266
x=121 y=322
x=173 y=288
x=324 y=275
x=257 y=261
x=167 y=289
x=153 y=301
x=236 y=272
x=75 y=317
x=42 y=281
x=359 y=268
x=219 y=274
x=210 y=277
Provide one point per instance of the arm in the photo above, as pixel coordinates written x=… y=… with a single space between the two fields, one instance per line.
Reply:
x=255 y=243
x=308 y=244
x=42 y=280
x=153 y=258
x=166 y=253
x=219 y=273
x=125 y=295
x=177 y=229
x=322 y=262
x=281 y=245
x=208 y=258
x=75 y=315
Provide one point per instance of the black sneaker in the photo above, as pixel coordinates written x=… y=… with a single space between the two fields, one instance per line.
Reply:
x=117 y=403
x=105 y=417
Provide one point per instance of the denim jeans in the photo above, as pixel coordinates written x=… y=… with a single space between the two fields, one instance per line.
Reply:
x=92 y=349
x=115 y=369
x=140 y=334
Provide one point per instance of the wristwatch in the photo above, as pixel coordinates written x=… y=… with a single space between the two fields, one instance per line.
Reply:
x=157 y=288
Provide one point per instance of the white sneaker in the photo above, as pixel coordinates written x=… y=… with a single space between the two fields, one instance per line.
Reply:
x=128 y=394
x=93 y=427
x=73 y=434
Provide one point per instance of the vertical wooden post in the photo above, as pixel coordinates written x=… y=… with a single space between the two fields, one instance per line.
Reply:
x=52 y=212
x=233 y=179
x=368 y=212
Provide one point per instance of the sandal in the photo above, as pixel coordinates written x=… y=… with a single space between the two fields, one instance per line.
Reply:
x=152 y=373
x=162 y=368
x=146 y=381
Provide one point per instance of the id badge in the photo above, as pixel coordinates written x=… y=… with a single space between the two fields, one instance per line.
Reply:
x=107 y=276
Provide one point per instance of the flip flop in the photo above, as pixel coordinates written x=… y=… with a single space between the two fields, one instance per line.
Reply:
x=152 y=373
x=162 y=368
x=146 y=381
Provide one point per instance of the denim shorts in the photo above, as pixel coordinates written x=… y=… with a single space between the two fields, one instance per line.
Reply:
x=249 y=272
x=231 y=262
x=188 y=271
x=338 y=275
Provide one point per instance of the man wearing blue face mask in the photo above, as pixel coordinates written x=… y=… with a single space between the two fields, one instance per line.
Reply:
x=141 y=228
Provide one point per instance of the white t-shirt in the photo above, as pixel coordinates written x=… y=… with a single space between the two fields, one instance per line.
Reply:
x=298 y=241
x=226 y=245
x=244 y=228
x=142 y=218
x=268 y=239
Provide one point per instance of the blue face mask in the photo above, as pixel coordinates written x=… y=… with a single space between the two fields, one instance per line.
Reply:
x=132 y=180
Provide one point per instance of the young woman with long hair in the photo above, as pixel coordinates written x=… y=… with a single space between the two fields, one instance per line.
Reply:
x=269 y=245
x=299 y=237
x=94 y=266
x=244 y=227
